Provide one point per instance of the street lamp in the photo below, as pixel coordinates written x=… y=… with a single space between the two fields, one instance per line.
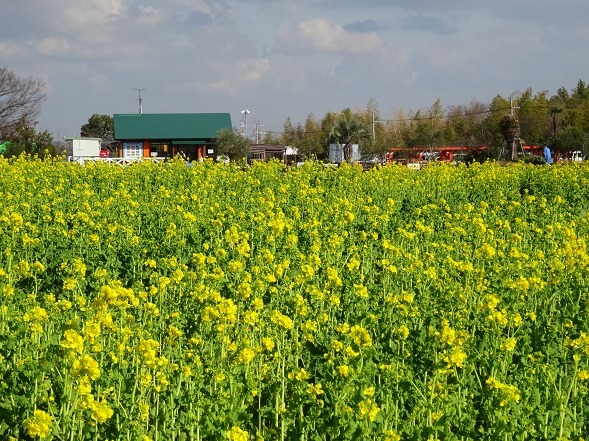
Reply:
x=245 y=113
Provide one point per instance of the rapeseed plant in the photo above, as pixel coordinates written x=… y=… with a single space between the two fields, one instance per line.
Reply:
x=209 y=302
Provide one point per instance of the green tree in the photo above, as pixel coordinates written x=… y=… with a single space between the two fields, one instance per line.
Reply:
x=272 y=138
x=308 y=139
x=371 y=117
x=101 y=126
x=23 y=138
x=312 y=139
x=465 y=124
x=494 y=137
x=399 y=129
x=424 y=134
x=427 y=128
x=232 y=144
x=572 y=138
x=289 y=133
x=456 y=126
x=347 y=130
x=534 y=117
x=578 y=106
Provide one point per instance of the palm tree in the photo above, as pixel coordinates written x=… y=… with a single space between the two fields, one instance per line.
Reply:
x=347 y=130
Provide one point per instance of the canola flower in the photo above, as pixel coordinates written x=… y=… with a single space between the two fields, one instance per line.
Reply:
x=85 y=366
x=39 y=424
x=509 y=393
x=508 y=345
x=246 y=355
x=368 y=409
x=101 y=411
x=35 y=319
x=73 y=340
x=237 y=434
x=219 y=302
x=360 y=336
x=282 y=320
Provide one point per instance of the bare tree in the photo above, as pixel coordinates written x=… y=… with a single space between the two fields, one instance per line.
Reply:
x=20 y=100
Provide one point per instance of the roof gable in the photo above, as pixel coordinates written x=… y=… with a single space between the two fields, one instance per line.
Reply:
x=168 y=126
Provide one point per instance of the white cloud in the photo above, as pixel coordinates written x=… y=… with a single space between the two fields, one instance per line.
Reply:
x=197 y=5
x=241 y=75
x=206 y=7
x=323 y=36
x=53 y=46
x=251 y=71
x=224 y=87
x=98 y=80
x=85 y=14
x=149 y=16
x=282 y=58
x=9 y=49
x=190 y=88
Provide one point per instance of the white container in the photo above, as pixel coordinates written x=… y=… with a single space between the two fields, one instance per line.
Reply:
x=83 y=146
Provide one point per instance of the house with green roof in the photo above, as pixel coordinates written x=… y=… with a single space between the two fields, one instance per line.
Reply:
x=191 y=135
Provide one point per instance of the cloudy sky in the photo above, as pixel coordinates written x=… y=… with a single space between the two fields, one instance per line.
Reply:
x=280 y=59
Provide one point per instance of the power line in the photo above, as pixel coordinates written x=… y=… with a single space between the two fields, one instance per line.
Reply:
x=425 y=118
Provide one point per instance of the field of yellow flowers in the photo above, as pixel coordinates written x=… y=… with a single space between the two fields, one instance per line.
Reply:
x=213 y=302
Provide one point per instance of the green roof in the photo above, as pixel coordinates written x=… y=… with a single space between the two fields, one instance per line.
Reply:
x=170 y=126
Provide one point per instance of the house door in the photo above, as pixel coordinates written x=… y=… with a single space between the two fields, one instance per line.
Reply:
x=132 y=150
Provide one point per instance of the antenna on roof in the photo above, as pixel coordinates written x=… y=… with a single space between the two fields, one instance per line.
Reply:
x=140 y=107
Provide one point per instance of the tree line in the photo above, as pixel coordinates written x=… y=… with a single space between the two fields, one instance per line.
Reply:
x=560 y=121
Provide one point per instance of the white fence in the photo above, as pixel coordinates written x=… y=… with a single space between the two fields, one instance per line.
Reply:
x=117 y=161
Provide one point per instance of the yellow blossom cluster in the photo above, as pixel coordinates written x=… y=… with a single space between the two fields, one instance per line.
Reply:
x=242 y=302
x=508 y=393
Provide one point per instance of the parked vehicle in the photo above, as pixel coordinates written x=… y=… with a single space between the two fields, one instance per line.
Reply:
x=461 y=158
x=429 y=155
x=577 y=156
x=369 y=160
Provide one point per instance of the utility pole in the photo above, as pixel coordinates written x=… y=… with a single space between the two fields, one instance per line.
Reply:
x=245 y=113
x=374 y=121
x=140 y=107
x=511 y=106
x=511 y=113
x=258 y=132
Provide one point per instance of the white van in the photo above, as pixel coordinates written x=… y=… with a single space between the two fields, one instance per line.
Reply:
x=577 y=156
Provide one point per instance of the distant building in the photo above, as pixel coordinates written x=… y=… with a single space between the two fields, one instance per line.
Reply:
x=336 y=153
x=82 y=146
x=264 y=152
x=190 y=135
x=292 y=156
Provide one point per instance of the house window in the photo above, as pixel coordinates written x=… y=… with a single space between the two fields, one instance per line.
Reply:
x=132 y=150
x=259 y=156
x=160 y=149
